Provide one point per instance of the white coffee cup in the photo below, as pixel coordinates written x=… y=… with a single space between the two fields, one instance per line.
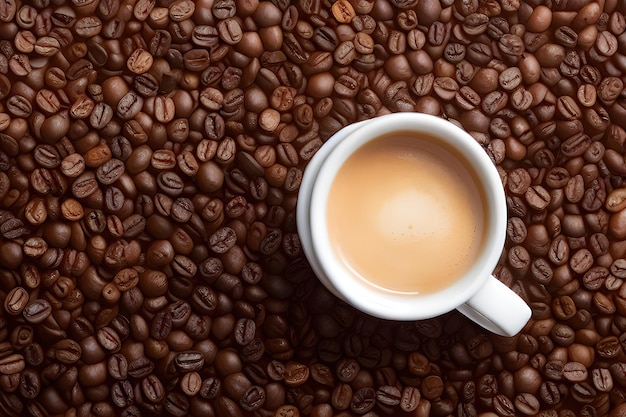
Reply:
x=477 y=294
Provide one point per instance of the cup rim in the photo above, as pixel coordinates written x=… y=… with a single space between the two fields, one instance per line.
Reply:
x=402 y=306
x=304 y=201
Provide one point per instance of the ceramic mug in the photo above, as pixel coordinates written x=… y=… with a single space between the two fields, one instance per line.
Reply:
x=477 y=293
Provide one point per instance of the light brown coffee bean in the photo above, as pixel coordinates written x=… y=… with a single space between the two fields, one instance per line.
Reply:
x=140 y=61
x=343 y=11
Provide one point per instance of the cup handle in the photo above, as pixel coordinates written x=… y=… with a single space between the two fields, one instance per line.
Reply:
x=497 y=308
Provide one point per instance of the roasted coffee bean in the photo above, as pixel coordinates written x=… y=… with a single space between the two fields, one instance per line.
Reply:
x=223 y=240
x=325 y=38
x=67 y=351
x=253 y=398
x=575 y=372
x=527 y=403
x=12 y=364
x=602 y=379
x=109 y=339
x=37 y=311
x=118 y=366
x=190 y=167
x=129 y=105
x=140 y=368
x=146 y=85
x=295 y=374
x=122 y=394
x=410 y=398
x=190 y=383
x=16 y=301
x=140 y=61
x=503 y=405
x=190 y=361
x=152 y=389
x=363 y=400
x=245 y=330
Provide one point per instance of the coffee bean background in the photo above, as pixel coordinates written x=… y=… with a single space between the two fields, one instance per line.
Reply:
x=151 y=152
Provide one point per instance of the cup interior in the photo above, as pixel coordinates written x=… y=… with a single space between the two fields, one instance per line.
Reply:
x=397 y=305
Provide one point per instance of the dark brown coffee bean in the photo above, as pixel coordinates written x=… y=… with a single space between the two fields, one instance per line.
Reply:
x=47 y=101
x=503 y=405
x=527 y=403
x=109 y=339
x=111 y=171
x=296 y=373
x=245 y=331
x=67 y=351
x=196 y=60
x=19 y=106
x=363 y=400
x=30 y=384
x=12 y=364
x=253 y=398
x=388 y=395
x=602 y=379
x=222 y=240
x=16 y=301
x=230 y=31
x=211 y=388
x=161 y=326
x=37 y=311
x=117 y=366
x=152 y=389
x=145 y=85
x=122 y=394
x=410 y=399
x=583 y=392
x=140 y=368
x=562 y=335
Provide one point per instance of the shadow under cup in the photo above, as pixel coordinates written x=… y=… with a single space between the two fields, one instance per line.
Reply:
x=376 y=299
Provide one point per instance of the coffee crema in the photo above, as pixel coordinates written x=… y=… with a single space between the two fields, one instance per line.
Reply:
x=405 y=214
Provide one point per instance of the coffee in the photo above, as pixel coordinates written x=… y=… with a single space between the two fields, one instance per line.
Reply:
x=405 y=213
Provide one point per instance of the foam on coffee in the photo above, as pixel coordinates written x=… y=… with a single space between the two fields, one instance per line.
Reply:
x=405 y=213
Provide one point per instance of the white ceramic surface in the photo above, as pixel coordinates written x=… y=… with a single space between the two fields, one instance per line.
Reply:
x=478 y=294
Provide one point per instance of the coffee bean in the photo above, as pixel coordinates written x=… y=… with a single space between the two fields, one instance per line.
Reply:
x=152 y=389
x=118 y=366
x=575 y=372
x=139 y=61
x=272 y=81
x=122 y=394
x=295 y=374
x=16 y=301
x=363 y=400
x=191 y=383
x=20 y=65
x=409 y=398
x=37 y=311
x=343 y=11
x=67 y=351
x=245 y=330
x=140 y=368
x=602 y=379
x=527 y=403
x=12 y=364
x=100 y=116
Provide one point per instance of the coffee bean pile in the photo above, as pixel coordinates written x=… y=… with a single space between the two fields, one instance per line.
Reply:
x=151 y=152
